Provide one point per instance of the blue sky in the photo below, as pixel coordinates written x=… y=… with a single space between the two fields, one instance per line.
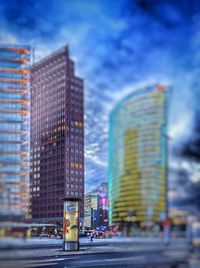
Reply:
x=117 y=46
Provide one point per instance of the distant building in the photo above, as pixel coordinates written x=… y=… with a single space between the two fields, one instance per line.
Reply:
x=96 y=207
x=138 y=157
x=14 y=131
x=91 y=211
x=57 y=136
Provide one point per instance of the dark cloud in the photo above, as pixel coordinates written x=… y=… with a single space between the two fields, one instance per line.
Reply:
x=191 y=148
x=169 y=13
x=187 y=193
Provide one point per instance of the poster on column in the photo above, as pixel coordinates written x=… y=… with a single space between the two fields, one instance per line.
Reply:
x=70 y=224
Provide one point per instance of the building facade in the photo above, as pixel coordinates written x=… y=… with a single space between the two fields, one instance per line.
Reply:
x=91 y=210
x=96 y=207
x=138 y=157
x=57 y=136
x=14 y=131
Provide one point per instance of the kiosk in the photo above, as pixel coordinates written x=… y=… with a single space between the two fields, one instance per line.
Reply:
x=71 y=224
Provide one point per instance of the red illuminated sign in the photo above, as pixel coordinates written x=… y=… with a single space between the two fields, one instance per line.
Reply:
x=160 y=89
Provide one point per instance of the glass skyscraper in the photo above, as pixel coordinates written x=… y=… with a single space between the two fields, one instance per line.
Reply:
x=14 y=130
x=138 y=156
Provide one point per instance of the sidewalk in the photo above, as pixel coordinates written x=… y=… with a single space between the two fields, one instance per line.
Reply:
x=19 y=243
x=180 y=252
x=36 y=243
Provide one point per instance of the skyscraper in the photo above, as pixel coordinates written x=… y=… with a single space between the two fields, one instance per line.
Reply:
x=138 y=157
x=91 y=211
x=57 y=136
x=14 y=130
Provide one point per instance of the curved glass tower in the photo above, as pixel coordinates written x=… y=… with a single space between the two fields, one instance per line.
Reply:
x=14 y=130
x=138 y=156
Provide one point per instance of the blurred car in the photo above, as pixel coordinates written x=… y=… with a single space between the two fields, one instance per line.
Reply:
x=44 y=235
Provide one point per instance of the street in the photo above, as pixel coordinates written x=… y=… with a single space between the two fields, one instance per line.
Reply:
x=122 y=253
x=156 y=259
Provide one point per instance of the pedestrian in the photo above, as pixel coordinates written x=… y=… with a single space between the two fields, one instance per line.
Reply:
x=91 y=237
x=49 y=234
x=24 y=235
x=166 y=231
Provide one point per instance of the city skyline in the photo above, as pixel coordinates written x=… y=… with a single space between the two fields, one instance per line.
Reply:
x=100 y=133
x=132 y=39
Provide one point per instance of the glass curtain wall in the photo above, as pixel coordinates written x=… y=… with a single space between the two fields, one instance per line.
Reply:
x=138 y=156
x=14 y=130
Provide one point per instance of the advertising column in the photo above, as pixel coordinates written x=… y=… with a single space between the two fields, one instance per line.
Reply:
x=71 y=225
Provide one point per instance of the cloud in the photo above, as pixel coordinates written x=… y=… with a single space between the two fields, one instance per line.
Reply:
x=117 y=45
x=8 y=37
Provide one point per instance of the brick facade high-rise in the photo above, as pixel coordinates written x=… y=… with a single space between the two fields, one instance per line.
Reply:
x=57 y=137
